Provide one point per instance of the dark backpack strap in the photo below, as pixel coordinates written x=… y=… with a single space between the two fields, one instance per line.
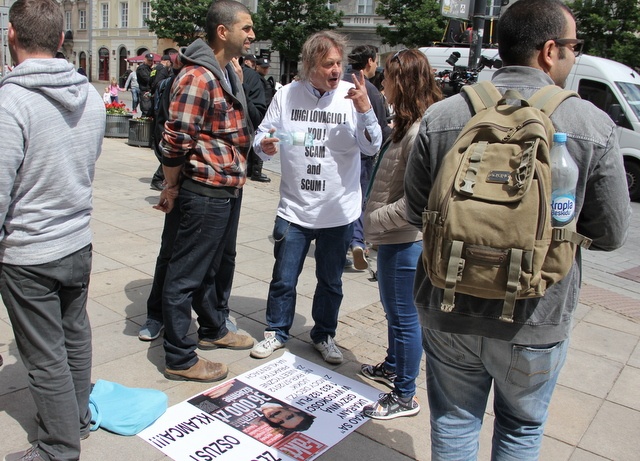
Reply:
x=482 y=95
x=548 y=98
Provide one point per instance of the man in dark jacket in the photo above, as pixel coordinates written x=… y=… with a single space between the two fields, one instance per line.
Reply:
x=143 y=72
x=257 y=107
x=161 y=97
x=160 y=71
x=364 y=58
x=262 y=67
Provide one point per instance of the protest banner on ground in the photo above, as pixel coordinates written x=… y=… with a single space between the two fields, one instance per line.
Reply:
x=288 y=409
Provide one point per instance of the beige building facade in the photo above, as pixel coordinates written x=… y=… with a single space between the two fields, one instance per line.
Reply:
x=100 y=35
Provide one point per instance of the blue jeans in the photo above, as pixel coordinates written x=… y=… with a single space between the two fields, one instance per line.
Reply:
x=224 y=275
x=208 y=226
x=135 y=98
x=396 y=273
x=292 y=243
x=460 y=370
x=47 y=305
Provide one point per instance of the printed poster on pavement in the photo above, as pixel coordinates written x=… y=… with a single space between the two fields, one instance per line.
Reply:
x=288 y=409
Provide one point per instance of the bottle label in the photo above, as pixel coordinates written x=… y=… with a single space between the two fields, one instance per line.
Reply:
x=563 y=208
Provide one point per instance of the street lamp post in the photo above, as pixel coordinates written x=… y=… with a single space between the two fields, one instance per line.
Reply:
x=479 y=12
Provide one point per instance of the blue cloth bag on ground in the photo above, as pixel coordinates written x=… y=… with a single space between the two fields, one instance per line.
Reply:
x=124 y=410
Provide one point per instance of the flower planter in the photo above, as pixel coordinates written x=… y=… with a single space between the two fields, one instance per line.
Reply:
x=117 y=125
x=140 y=132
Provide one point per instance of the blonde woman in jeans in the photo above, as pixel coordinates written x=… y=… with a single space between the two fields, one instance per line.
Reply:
x=410 y=88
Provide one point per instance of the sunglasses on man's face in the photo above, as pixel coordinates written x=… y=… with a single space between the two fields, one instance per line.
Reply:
x=574 y=44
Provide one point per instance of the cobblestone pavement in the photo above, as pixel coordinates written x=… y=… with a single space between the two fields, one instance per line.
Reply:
x=595 y=414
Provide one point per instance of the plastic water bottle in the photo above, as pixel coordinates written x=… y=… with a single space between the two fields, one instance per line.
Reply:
x=293 y=138
x=564 y=178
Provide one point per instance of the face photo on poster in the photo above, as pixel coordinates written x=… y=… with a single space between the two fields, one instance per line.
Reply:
x=286 y=409
x=262 y=417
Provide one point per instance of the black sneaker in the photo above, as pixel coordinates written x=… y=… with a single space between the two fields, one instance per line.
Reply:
x=391 y=406
x=378 y=373
x=260 y=177
x=157 y=185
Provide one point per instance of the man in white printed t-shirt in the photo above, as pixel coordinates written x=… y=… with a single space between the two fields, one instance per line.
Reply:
x=319 y=125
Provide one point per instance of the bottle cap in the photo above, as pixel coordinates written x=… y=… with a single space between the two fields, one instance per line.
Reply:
x=560 y=137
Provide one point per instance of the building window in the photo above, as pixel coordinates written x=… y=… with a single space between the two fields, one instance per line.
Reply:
x=82 y=19
x=331 y=6
x=365 y=6
x=67 y=20
x=124 y=14
x=105 y=15
x=146 y=11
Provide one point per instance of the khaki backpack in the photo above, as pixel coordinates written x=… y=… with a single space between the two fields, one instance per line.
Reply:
x=487 y=225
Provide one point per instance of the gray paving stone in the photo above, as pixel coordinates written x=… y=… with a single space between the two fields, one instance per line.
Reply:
x=613 y=434
x=589 y=373
x=570 y=415
x=634 y=360
x=626 y=390
x=604 y=342
x=583 y=455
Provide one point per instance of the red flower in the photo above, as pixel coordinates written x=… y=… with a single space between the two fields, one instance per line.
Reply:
x=117 y=108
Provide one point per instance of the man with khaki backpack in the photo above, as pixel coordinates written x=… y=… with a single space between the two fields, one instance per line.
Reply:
x=497 y=308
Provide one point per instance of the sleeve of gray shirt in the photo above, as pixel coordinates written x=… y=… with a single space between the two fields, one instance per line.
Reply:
x=606 y=211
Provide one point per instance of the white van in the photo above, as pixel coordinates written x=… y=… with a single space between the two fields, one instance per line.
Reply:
x=611 y=86
x=614 y=88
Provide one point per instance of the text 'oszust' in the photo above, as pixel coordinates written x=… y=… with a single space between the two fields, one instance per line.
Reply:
x=216 y=448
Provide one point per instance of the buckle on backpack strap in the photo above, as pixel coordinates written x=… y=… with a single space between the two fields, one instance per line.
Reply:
x=513 y=284
x=562 y=234
x=526 y=165
x=430 y=217
x=444 y=307
x=472 y=171
x=454 y=275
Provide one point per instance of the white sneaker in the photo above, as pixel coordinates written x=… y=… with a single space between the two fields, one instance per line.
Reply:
x=266 y=347
x=329 y=350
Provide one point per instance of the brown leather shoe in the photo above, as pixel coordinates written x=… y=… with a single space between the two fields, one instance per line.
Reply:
x=204 y=371
x=231 y=341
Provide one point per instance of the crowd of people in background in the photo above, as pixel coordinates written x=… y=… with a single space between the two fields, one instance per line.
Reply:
x=349 y=180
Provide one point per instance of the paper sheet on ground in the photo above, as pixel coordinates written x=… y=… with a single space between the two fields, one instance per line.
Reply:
x=286 y=409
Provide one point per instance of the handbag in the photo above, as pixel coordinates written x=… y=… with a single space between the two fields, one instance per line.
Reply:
x=146 y=104
x=124 y=410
